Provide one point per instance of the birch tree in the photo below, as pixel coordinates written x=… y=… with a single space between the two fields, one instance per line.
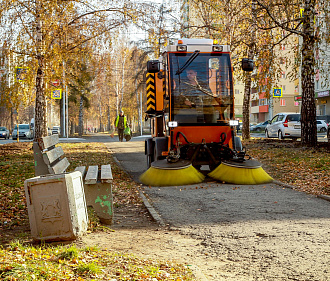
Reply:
x=37 y=29
x=299 y=18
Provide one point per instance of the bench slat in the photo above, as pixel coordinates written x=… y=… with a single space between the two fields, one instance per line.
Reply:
x=91 y=176
x=48 y=141
x=106 y=174
x=60 y=166
x=52 y=155
x=81 y=169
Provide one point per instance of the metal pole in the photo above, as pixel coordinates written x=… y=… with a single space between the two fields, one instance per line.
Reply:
x=141 y=113
x=67 y=111
x=63 y=130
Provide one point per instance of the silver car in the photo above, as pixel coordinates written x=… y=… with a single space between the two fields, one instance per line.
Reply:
x=24 y=130
x=4 y=133
x=284 y=125
x=56 y=130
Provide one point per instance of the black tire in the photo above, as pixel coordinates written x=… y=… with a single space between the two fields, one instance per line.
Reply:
x=238 y=144
x=149 y=160
x=323 y=129
x=280 y=135
x=149 y=151
x=266 y=134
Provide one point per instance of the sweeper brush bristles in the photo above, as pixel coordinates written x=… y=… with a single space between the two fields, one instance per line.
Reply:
x=169 y=177
x=240 y=175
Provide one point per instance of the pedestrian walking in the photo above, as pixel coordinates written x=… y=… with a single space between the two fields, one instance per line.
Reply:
x=121 y=124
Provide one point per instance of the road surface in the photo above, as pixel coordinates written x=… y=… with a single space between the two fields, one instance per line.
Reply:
x=261 y=232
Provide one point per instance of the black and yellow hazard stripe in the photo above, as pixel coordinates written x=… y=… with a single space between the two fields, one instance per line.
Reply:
x=151 y=92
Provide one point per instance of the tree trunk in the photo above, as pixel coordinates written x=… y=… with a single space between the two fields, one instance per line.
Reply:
x=248 y=78
x=40 y=110
x=81 y=116
x=308 y=108
x=100 y=118
x=109 y=119
x=246 y=107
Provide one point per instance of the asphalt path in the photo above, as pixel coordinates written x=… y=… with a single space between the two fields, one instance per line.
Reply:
x=247 y=232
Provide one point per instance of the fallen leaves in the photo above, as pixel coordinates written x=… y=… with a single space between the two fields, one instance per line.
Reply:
x=307 y=169
x=47 y=262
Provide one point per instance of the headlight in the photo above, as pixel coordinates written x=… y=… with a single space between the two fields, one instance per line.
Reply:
x=217 y=48
x=172 y=124
x=233 y=122
x=181 y=48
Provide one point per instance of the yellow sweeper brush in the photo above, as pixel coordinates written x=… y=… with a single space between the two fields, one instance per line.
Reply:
x=247 y=171
x=164 y=173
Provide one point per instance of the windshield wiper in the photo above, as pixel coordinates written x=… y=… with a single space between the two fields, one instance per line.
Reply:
x=188 y=62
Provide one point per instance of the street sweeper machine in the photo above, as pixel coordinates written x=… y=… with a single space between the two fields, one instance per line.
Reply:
x=190 y=104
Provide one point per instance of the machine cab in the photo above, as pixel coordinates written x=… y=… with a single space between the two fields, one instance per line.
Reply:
x=201 y=85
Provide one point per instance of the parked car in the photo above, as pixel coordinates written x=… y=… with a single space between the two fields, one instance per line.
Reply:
x=24 y=130
x=4 y=133
x=325 y=118
x=284 y=125
x=56 y=130
x=321 y=126
x=260 y=126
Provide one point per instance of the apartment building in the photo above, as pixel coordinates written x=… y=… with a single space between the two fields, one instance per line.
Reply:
x=264 y=105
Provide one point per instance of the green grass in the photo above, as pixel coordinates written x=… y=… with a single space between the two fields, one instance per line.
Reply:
x=18 y=262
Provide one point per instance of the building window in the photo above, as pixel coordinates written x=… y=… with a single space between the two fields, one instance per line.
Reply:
x=283 y=74
x=263 y=101
x=282 y=60
x=282 y=102
x=236 y=91
x=283 y=88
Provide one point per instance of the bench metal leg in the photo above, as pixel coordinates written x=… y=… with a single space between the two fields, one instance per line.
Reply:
x=99 y=196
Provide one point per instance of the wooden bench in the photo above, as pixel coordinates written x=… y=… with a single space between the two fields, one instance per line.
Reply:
x=49 y=159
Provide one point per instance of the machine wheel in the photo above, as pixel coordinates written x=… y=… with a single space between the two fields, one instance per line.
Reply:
x=266 y=134
x=149 y=151
x=280 y=135
x=150 y=159
x=238 y=144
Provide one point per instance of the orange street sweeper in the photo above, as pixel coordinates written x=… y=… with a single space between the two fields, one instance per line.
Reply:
x=190 y=103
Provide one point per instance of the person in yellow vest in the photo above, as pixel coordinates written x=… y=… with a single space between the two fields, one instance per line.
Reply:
x=121 y=124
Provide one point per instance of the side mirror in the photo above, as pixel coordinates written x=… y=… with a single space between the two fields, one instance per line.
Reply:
x=247 y=64
x=153 y=66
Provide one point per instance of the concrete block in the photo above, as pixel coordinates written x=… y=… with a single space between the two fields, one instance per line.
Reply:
x=56 y=206
x=99 y=196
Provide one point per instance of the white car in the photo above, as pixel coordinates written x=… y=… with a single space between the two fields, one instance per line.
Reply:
x=24 y=130
x=56 y=130
x=284 y=125
x=321 y=126
x=4 y=133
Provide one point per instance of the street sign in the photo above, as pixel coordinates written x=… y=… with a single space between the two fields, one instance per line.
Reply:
x=277 y=93
x=56 y=83
x=57 y=94
x=21 y=73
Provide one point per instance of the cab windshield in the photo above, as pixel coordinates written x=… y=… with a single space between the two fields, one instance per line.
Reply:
x=202 y=92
